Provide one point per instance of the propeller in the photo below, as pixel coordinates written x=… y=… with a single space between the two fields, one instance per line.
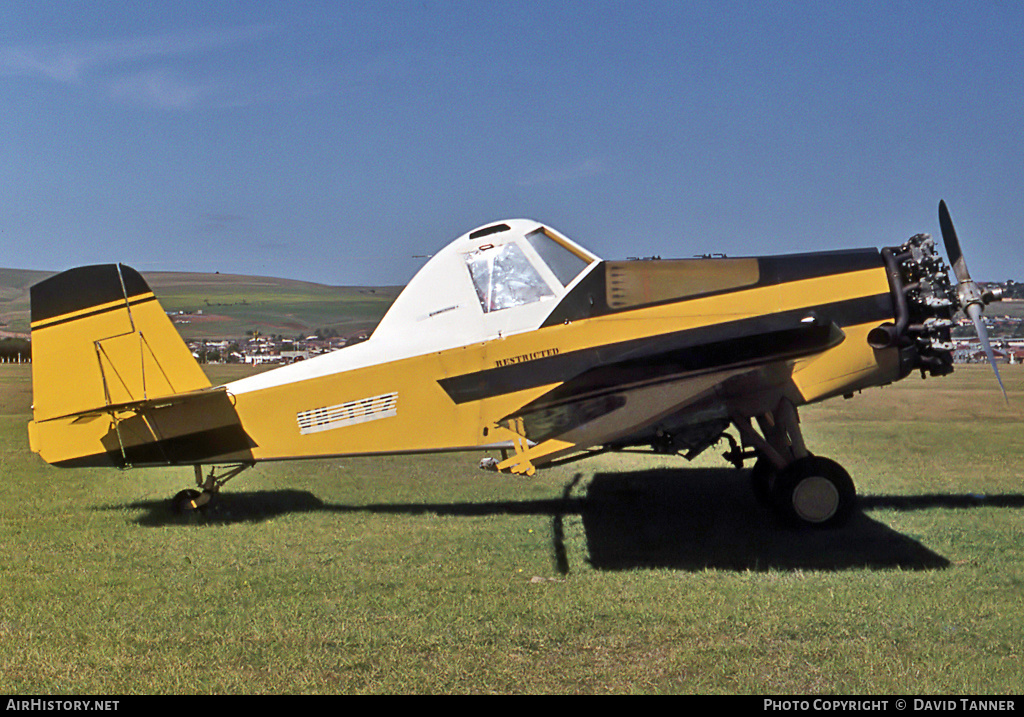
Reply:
x=972 y=299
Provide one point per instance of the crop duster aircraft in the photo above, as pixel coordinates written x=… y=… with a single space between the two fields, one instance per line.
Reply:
x=515 y=338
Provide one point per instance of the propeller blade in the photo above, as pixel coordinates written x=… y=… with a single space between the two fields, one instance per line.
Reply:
x=974 y=311
x=953 y=252
x=972 y=301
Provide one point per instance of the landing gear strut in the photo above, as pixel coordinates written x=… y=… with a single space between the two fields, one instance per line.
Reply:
x=190 y=500
x=803 y=489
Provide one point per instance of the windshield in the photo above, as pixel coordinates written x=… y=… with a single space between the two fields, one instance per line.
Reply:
x=564 y=263
x=504 y=278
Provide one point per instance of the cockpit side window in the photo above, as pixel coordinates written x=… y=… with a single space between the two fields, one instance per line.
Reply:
x=564 y=263
x=504 y=277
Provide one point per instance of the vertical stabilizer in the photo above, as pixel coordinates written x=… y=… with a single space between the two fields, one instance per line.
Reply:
x=99 y=339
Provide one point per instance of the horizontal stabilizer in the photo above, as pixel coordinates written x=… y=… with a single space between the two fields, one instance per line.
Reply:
x=145 y=405
x=183 y=429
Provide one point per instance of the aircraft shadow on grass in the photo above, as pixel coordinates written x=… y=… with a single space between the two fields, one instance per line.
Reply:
x=686 y=519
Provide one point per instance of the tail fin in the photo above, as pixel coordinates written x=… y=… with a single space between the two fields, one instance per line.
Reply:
x=100 y=342
x=100 y=338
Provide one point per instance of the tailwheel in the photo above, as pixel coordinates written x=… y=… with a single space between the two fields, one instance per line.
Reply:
x=815 y=492
x=189 y=501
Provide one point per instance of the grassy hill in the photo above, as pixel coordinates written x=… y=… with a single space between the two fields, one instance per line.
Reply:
x=227 y=306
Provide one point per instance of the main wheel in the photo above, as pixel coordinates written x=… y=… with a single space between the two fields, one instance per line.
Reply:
x=815 y=492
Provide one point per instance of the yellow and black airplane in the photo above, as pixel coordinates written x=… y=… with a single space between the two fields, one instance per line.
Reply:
x=515 y=338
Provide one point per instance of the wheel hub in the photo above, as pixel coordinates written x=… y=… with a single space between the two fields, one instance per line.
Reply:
x=816 y=499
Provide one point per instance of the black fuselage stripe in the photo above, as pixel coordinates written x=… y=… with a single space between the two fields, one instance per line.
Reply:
x=786 y=268
x=743 y=335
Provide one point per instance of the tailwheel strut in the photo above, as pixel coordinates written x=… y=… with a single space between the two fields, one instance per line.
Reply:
x=190 y=499
x=802 y=489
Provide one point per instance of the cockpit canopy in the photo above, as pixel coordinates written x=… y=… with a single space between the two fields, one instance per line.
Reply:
x=500 y=279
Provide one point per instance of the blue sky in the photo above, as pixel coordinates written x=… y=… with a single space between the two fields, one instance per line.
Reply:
x=337 y=141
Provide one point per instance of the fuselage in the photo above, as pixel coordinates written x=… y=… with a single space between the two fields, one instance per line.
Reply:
x=514 y=333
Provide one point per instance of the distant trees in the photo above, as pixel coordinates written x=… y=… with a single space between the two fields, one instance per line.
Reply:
x=14 y=349
x=1013 y=290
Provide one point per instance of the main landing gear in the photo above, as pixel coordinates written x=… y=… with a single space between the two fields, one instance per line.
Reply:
x=802 y=489
x=191 y=500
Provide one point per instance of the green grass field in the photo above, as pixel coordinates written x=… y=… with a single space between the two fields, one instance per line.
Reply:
x=623 y=574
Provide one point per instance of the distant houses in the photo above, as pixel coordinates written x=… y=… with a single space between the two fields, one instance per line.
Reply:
x=258 y=350
x=1003 y=351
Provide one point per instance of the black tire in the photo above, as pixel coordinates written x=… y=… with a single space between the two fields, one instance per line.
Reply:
x=184 y=501
x=814 y=492
x=762 y=480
